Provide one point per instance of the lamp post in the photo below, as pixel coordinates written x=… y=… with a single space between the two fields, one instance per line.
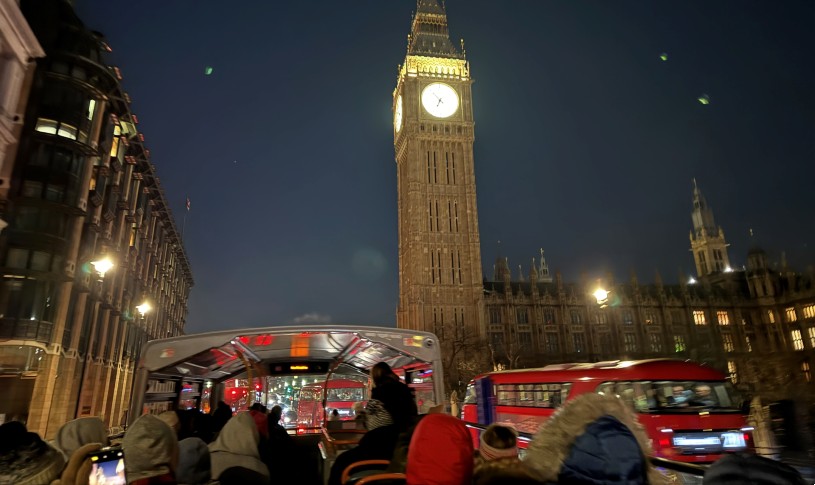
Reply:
x=601 y=295
x=101 y=267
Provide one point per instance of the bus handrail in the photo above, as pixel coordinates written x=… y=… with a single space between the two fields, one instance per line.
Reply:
x=672 y=465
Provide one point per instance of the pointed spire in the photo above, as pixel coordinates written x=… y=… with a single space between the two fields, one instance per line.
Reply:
x=703 y=222
x=533 y=272
x=430 y=35
x=543 y=270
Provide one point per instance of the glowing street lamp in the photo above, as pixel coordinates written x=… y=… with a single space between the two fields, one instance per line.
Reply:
x=143 y=309
x=601 y=295
x=102 y=266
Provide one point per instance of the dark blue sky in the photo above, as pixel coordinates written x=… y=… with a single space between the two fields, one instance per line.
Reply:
x=586 y=142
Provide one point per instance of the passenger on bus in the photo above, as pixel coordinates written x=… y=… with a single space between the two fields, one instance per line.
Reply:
x=679 y=396
x=394 y=394
x=377 y=444
x=237 y=446
x=593 y=439
x=702 y=396
x=170 y=418
x=441 y=452
x=335 y=415
x=151 y=452
x=194 y=464
x=497 y=442
x=79 y=432
x=220 y=416
x=25 y=458
x=258 y=413
x=359 y=411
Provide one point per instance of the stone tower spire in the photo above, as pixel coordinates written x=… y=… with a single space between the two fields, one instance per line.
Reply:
x=433 y=136
x=543 y=270
x=707 y=240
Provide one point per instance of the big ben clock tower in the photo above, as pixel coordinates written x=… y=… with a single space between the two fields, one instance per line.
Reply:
x=440 y=284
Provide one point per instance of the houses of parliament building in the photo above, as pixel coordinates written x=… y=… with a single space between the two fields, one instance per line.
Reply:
x=757 y=322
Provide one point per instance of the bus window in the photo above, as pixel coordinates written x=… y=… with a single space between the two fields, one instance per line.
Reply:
x=532 y=395
x=470 y=397
x=648 y=396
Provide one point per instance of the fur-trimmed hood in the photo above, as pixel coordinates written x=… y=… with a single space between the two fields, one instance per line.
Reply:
x=593 y=439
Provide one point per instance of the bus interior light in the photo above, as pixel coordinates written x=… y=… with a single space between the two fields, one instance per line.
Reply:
x=747 y=428
x=667 y=430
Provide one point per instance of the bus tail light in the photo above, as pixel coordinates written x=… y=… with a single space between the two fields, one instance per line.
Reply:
x=664 y=442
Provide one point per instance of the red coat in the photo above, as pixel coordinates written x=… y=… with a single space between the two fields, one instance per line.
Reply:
x=440 y=453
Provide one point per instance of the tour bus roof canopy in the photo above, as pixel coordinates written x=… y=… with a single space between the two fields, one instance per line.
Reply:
x=223 y=354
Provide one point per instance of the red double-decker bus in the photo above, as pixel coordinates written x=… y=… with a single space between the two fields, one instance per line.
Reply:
x=340 y=395
x=692 y=412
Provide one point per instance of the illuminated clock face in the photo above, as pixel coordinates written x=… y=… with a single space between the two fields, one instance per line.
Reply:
x=397 y=114
x=440 y=100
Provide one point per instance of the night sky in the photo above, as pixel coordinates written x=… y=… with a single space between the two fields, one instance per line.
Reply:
x=586 y=142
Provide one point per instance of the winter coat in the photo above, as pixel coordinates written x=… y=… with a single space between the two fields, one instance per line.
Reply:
x=237 y=446
x=151 y=450
x=25 y=459
x=78 y=433
x=441 y=452
x=596 y=440
x=752 y=470
x=194 y=464
x=398 y=400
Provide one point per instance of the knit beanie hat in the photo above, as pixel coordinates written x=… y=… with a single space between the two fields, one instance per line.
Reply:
x=490 y=452
x=25 y=459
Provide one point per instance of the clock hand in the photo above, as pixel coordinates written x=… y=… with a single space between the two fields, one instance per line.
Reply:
x=441 y=101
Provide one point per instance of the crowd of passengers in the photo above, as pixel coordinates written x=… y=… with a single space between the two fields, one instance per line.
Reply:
x=593 y=440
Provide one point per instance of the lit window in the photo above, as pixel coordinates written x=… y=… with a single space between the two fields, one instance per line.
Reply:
x=731 y=371
x=91 y=108
x=723 y=317
x=797 y=340
x=748 y=344
x=812 y=336
x=727 y=342
x=650 y=318
x=809 y=311
x=67 y=131
x=770 y=316
x=699 y=317
x=679 y=343
x=46 y=126
x=806 y=371
x=791 y=316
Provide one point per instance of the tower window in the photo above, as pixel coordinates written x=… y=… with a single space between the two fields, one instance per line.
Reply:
x=702 y=262
x=723 y=317
x=453 y=166
x=770 y=316
x=791 y=316
x=748 y=343
x=797 y=340
x=651 y=318
x=495 y=315
x=727 y=342
x=809 y=311
x=549 y=316
x=805 y=369
x=579 y=340
x=628 y=317
x=450 y=216
x=437 y=214
x=679 y=343
x=576 y=317
x=699 y=317
x=731 y=371
x=522 y=315
x=811 y=332
x=551 y=342
x=455 y=214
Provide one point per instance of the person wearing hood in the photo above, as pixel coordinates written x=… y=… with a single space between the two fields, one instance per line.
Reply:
x=441 y=452
x=25 y=459
x=237 y=446
x=151 y=452
x=80 y=432
x=194 y=464
x=594 y=439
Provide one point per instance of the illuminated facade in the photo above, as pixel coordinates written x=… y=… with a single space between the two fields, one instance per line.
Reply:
x=440 y=280
x=756 y=323
x=83 y=192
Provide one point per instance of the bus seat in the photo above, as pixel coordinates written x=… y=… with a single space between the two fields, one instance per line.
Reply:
x=370 y=471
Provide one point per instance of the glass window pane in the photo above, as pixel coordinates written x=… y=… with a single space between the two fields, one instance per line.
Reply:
x=46 y=126
x=40 y=260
